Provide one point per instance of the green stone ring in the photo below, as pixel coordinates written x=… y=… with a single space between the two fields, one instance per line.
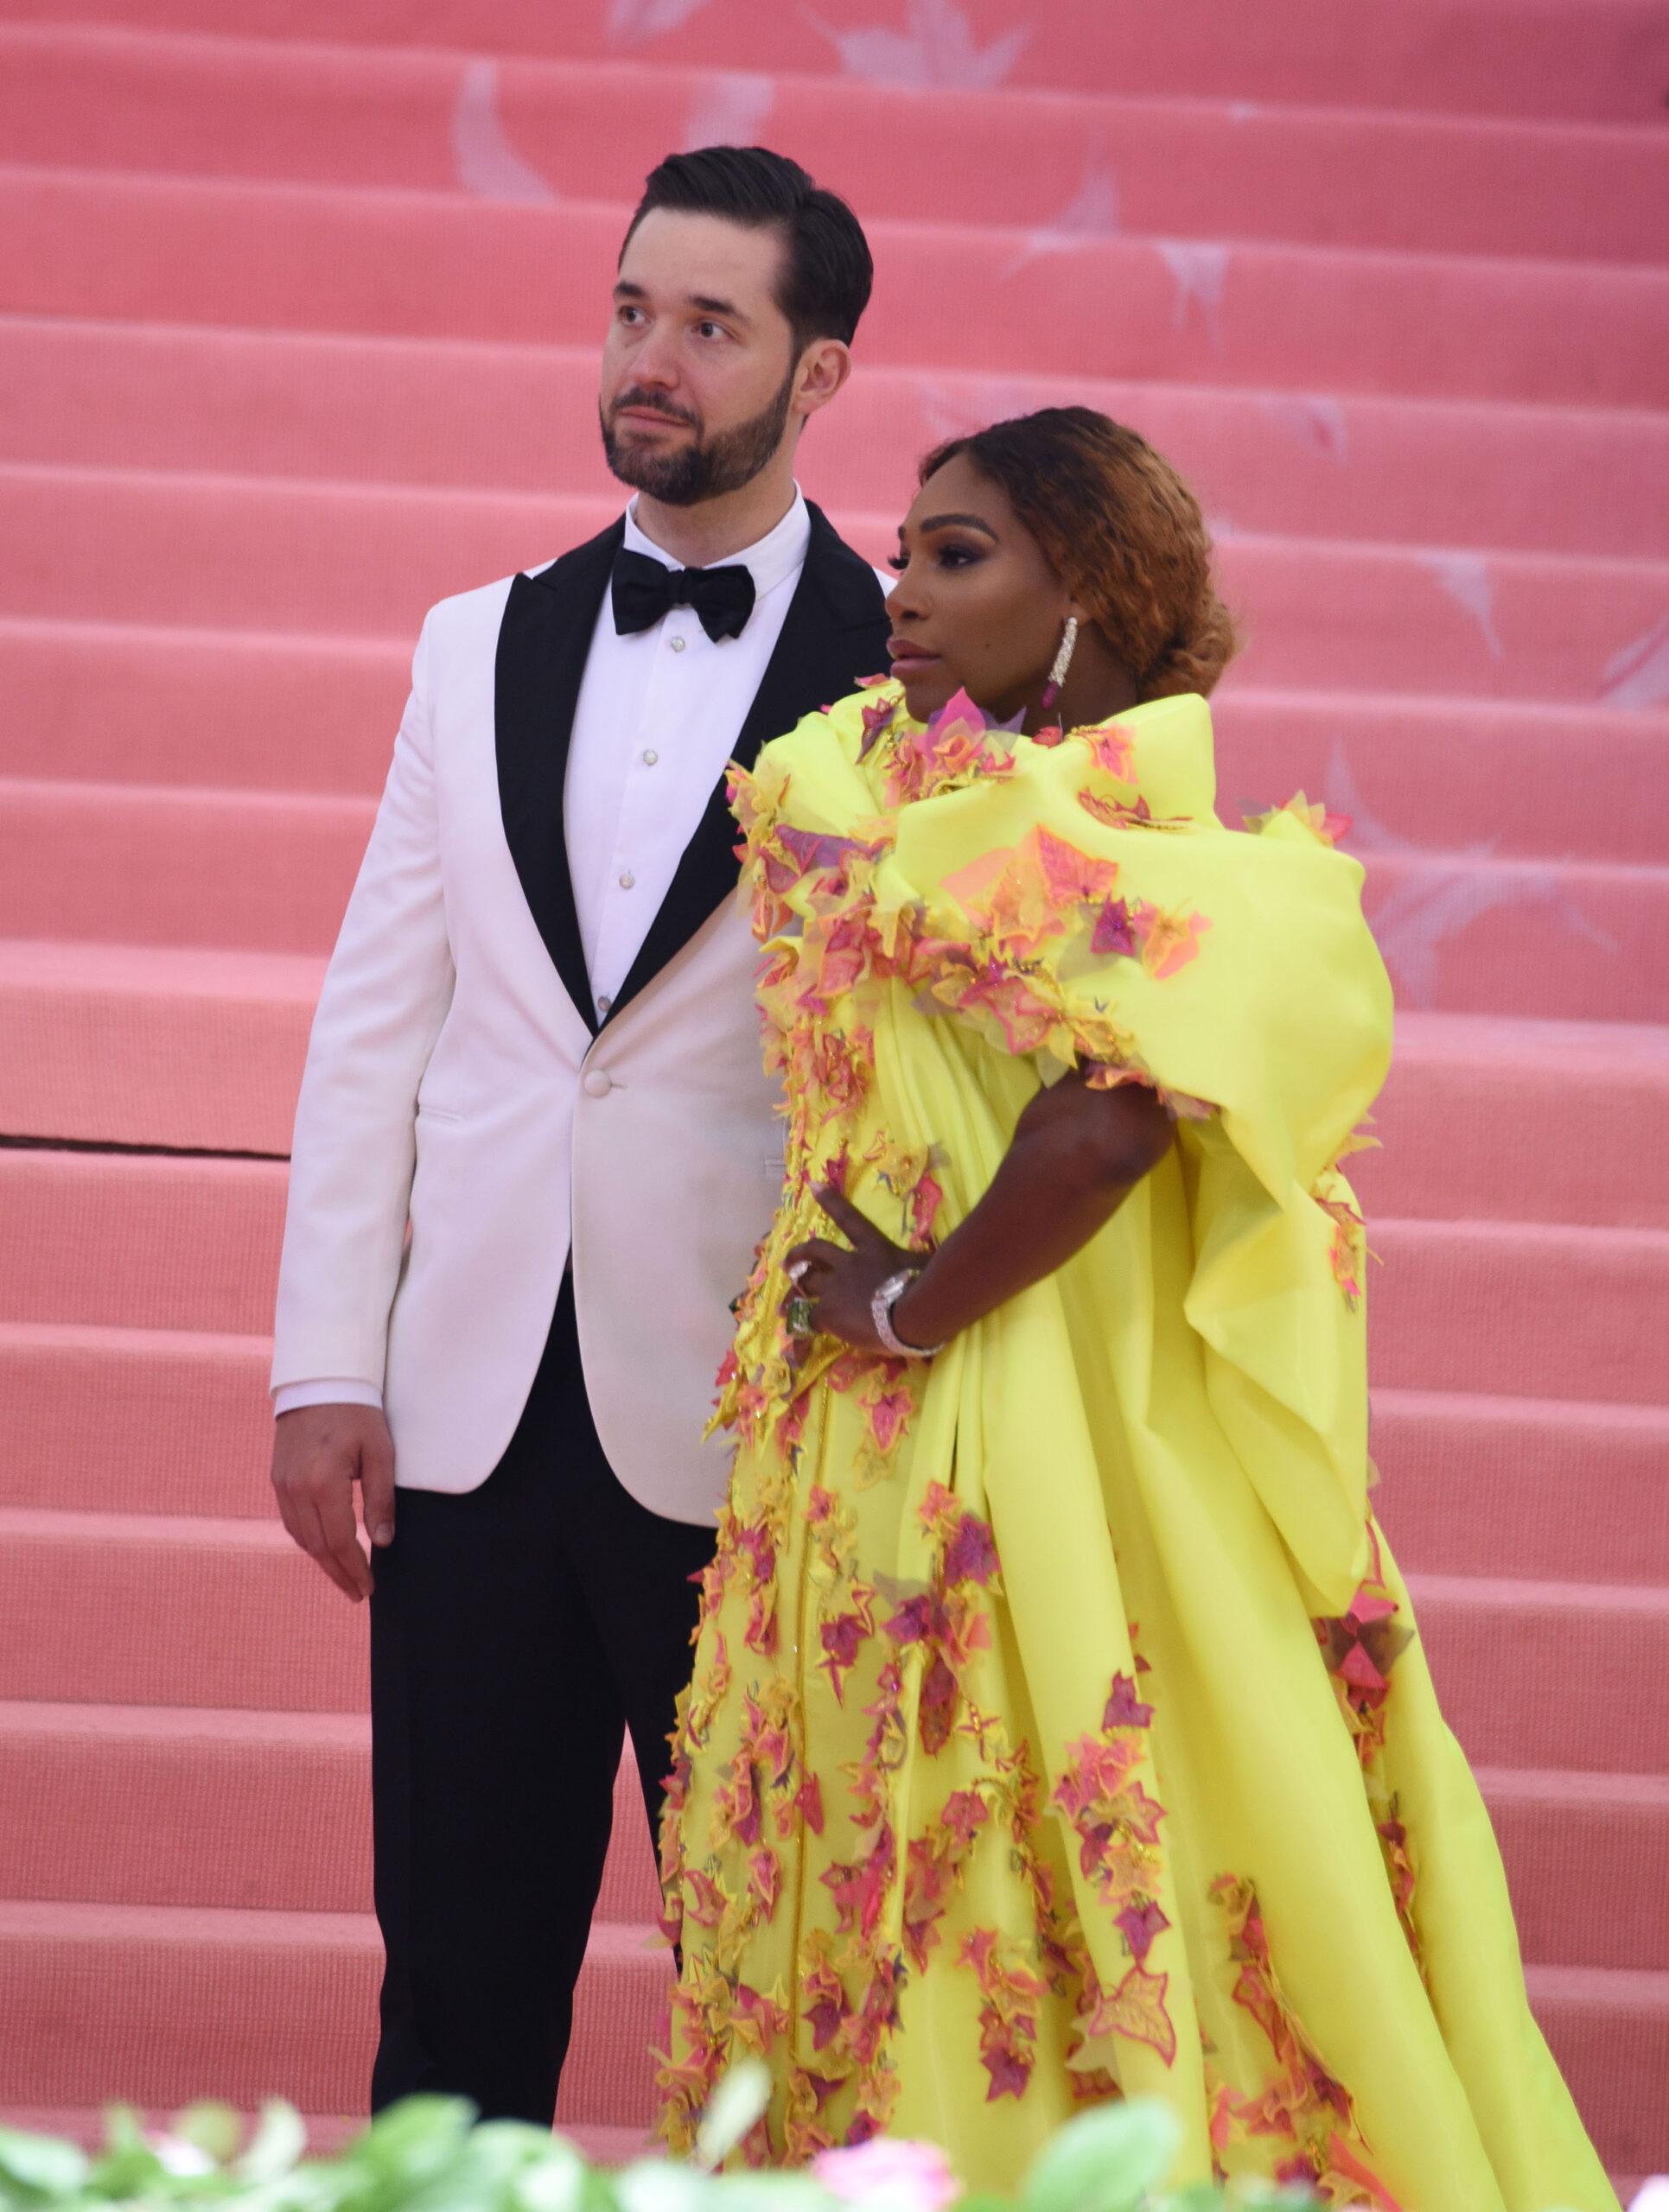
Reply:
x=800 y=1314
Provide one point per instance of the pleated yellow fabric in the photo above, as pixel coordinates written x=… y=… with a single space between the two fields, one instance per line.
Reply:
x=1060 y=1728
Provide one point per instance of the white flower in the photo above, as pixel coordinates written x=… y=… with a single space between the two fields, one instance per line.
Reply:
x=178 y=2157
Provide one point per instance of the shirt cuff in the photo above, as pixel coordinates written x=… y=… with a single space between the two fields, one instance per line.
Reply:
x=332 y=1390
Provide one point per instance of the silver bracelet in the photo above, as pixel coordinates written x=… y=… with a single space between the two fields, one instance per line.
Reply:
x=881 y=1313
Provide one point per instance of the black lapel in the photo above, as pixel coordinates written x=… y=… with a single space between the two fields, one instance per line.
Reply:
x=544 y=639
x=834 y=633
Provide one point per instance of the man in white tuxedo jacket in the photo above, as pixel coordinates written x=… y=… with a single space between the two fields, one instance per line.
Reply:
x=535 y=1146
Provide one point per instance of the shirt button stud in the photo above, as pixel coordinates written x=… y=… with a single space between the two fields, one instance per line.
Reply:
x=598 y=1082
x=627 y=879
x=604 y=1005
x=678 y=645
x=650 y=758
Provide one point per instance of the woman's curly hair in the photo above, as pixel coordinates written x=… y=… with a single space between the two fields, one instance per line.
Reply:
x=1121 y=530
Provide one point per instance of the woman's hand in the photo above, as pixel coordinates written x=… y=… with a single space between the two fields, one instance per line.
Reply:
x=837 y=1285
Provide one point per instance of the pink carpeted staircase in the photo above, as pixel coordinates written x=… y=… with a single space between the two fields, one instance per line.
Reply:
x=297 y=337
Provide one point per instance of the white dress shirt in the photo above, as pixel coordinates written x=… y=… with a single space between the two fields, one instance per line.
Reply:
x=656 y=718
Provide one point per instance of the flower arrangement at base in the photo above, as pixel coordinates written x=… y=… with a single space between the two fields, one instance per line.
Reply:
x=428 y=2155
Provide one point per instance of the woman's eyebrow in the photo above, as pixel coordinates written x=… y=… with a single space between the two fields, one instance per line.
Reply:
x=959 y=522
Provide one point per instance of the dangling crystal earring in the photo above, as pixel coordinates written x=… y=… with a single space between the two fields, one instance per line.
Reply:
x=1062 y=662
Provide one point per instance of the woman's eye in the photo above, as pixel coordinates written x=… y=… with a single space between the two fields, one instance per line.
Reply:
x=899 y=561
x=956 y=556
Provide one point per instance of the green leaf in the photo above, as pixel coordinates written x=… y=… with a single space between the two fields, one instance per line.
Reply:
x=34 y=2166
x=1105 y=2161
x=660 y=2186
x=214 y=2129
x=771 y=2189
x=560 y=2181
x=280 y=2139
x=127 y=2165
x=739 y=2099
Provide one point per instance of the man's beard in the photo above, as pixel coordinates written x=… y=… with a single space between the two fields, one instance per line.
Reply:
x=702 y=468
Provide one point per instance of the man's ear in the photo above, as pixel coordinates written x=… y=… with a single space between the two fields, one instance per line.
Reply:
x=824 y=367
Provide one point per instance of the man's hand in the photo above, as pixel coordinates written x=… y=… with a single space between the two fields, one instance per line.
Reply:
x=318 y=1454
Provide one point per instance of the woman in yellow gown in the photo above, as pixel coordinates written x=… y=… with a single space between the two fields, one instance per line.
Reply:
x=1059 y=1729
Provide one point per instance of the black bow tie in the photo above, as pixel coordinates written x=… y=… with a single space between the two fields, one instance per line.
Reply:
x=644 y=590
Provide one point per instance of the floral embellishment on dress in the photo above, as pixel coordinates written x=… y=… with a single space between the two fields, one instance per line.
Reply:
x=877 y=719
x=1012 y=1996
x=1116 y=1823
x=1348 y=1250
x=1361 y=1646
x=1303 y=2103
x=1326 y=829
x=944 y=1624
x=955 y=748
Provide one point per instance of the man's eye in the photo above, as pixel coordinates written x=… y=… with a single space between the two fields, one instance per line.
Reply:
x=628 y=314
x=709 y=330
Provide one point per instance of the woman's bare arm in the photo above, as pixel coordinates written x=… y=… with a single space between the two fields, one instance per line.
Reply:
x=1076 y=1154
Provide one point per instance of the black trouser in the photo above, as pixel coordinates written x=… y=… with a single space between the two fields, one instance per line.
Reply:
x=515 y=1629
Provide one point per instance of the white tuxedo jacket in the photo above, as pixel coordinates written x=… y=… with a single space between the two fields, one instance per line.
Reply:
x=464 y=1125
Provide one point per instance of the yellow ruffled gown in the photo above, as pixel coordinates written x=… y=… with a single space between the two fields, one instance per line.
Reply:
x=1060 y=1728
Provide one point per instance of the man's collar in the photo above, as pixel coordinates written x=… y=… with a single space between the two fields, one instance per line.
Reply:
x=776 y=557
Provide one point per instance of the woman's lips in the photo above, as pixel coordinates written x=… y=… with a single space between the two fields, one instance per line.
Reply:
x=907 y=658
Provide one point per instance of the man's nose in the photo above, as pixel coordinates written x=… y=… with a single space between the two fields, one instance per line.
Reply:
x=655 y=362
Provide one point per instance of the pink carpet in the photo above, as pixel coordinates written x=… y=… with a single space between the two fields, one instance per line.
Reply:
x=295 y=337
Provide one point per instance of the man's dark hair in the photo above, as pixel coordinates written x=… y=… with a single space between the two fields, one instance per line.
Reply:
x=826 y=270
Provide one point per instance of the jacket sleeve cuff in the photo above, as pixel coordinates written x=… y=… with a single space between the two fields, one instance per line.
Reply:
x=330 y=1391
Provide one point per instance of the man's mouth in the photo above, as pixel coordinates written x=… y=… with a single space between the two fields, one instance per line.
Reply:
x=649 y=415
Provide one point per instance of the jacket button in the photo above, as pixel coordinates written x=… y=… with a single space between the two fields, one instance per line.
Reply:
x=598 y=1082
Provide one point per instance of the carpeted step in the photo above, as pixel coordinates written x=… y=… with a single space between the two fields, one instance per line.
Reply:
x=1460 y=1084
x=138 y=1421
x=1064 y=162
x=135 y=546
x=199 y=1049
x=90 y=1982
x=250 y=709
x=263 y=2004
x=1534 y=1486
x=99 y=1419
x=140 y=1242
x=1609 y=2028
x=1587 y=1856
x=268 y=1811
x=103 y=1609
x=294 y=256
x=1524 y=1668
x=1562 y=479
x=1542 y=1310
x=1509 y=1308
x=1463 y=933
x=1559 y=59
x=271 y=1811
x=135 y=1046
x=115 y=703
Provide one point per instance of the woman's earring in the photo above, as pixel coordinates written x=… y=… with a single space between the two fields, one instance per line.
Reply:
x=1062 y=662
